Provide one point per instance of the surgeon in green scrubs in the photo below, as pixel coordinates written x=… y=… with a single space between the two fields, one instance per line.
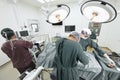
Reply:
x=68 y=53
x=86 y=41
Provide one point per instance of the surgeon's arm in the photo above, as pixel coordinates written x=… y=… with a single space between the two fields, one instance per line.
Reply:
x=81 y=56
x=94 y=45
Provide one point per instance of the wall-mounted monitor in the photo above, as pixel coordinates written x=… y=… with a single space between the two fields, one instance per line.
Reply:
x=24 y=33
x=69 y=28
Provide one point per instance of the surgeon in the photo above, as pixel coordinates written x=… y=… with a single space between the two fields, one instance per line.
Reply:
x=86 y=41
x=68 y=53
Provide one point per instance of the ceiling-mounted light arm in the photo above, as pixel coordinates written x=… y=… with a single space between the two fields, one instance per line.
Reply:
x=59 y=14
x=59 y=5
x=102 y=3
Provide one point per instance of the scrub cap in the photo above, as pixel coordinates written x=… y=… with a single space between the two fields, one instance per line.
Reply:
x=86 y=31
x=76 y=35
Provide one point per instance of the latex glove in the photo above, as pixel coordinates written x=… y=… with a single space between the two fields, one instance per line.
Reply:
x=111 y=62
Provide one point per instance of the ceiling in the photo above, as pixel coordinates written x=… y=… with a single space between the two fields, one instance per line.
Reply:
x=35 y=3
x=38 y=4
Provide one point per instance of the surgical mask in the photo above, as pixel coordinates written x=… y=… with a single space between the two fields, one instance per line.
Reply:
x=85 y=37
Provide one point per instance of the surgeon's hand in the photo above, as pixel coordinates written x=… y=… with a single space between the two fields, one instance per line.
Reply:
x=111 y=63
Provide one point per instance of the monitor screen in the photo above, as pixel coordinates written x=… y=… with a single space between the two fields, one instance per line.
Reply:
x=69 y=28
x=24 y=33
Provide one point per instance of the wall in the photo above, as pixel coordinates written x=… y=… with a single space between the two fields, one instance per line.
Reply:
x=14 y=15
x=7 y=19
x=109 y=35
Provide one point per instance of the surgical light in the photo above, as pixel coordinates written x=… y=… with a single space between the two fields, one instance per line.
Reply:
x=98 y=11
x=59 y=14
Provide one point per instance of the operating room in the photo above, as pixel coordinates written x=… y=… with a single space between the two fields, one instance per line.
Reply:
x=37 y=21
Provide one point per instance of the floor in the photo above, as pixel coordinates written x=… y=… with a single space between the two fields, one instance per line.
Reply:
x=7 y=72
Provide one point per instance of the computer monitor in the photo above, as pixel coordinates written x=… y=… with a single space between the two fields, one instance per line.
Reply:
x=69 y=28
x=24 y=33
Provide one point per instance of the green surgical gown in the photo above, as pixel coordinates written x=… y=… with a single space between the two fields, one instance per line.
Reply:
x=67 y=55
